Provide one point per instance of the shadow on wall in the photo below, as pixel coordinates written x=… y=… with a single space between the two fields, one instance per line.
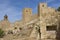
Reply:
x=58 y=31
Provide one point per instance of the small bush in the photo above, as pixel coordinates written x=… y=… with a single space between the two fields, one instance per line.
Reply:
x=1 y=33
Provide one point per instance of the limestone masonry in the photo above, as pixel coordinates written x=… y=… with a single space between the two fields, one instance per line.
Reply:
x=39 y=26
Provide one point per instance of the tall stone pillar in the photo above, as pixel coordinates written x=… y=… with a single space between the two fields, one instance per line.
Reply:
x=43 y=29
x=42 y=14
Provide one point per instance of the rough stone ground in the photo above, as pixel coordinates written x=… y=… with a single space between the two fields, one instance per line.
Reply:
x=26 y=39
x=11 y=37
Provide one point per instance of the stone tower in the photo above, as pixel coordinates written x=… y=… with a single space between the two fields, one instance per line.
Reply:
x=42 y=13
x=27 y=13
x=5 y=17
x=42 y=9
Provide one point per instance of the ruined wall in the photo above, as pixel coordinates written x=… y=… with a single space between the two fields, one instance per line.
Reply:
x=5 y=24
x=48 y=16
x=34 y=16
x=18 y=23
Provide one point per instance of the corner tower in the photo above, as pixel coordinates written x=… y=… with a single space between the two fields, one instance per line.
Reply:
x=27 y=15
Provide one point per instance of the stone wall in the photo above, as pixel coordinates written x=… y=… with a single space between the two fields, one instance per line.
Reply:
x=48 y=16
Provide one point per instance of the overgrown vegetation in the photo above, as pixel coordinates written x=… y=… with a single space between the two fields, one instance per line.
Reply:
x=1 y=33
x=58 y=9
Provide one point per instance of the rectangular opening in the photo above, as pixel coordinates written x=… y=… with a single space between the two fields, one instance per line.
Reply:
x=51 y=28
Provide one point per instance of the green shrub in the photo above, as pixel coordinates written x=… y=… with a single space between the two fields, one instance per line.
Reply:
x=1 y=33
x=58 y=9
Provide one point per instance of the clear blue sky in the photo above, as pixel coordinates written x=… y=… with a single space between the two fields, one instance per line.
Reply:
x=13 y=8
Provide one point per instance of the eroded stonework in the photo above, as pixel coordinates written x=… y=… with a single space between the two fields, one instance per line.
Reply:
x=32 y=27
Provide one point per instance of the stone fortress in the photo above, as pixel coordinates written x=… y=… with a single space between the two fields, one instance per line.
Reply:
x=42 y=25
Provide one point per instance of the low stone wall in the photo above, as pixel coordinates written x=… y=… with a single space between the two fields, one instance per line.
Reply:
x=51 y=34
